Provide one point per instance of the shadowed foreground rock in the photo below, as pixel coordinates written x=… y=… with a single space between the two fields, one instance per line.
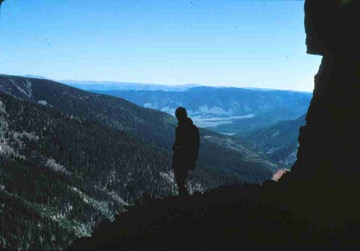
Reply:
x=315 y=206
x=245 y=216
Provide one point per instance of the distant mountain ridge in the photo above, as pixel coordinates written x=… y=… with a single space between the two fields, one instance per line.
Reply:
x=217 y=101
x=224 y=110
x=114 y=85
x=217 y=115
x=34 y=76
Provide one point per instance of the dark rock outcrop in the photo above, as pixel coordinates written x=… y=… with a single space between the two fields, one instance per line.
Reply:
x=331 y=27
x=315 y=206
x=329 y=142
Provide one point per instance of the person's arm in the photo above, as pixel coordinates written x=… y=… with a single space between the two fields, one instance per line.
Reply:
x=197 y=146
x=176 y=144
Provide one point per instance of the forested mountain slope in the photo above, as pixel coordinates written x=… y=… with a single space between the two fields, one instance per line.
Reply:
x=216 y=151
x=61 y=175
x=65 y=166
x=279 y=142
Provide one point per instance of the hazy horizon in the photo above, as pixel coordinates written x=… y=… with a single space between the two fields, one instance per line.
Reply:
x=248 y=44
x=91 y=82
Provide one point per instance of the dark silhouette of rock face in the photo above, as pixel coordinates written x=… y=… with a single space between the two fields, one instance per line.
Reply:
x=331 y=27
x=329 y=142
x=313 y=207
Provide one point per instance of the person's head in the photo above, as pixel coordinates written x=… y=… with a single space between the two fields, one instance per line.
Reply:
x=181 y=113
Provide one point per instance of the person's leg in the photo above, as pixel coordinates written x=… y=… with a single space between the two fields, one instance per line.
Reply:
x=180 y=176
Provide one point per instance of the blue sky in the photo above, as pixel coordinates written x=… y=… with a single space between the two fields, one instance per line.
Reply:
x=210 y=42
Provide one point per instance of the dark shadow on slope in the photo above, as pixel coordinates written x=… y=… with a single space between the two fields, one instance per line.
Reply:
x=250 y=216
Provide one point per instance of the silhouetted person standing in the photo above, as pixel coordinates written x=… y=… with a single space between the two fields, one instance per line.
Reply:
x=186 y=148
